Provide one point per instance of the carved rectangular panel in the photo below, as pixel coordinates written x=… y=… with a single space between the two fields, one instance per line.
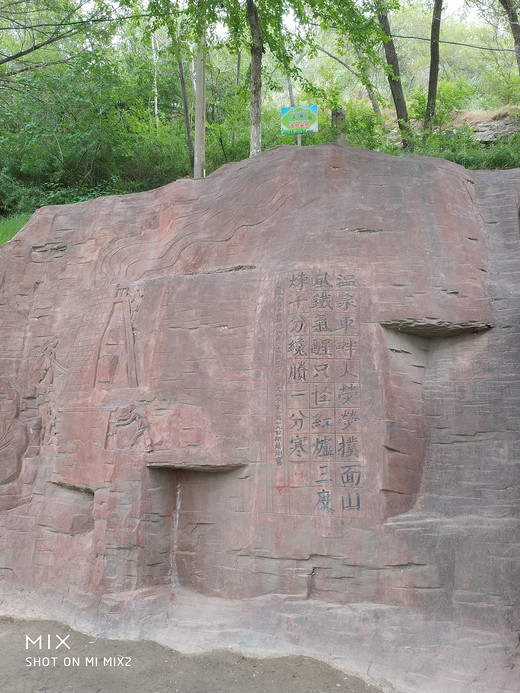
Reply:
x=315 y=391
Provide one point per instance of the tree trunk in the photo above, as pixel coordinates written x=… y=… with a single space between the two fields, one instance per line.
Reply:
x=290 y=90
x=257 y=49
x=292 y=103
x=199 y=164
x=434 y=66
x=395 y=83
x=337 y=118
x=512 y=16
x=370 y=93
x=155 y=90
x=187 y=120
x=237 y=85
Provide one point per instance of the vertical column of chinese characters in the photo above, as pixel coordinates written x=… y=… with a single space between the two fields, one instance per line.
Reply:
x=348 y=438
x=279 y=374
x=323 y=327
x=297 y=378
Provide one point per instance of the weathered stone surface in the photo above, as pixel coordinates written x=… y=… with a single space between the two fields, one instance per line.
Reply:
x=495 y=130
x=275 y=409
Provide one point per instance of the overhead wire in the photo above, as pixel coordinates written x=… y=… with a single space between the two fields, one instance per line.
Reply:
x=456 y=43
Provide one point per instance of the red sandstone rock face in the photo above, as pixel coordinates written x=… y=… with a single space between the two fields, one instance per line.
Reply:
x=297 y=377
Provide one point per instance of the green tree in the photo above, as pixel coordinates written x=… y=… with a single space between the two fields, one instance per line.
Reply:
x=257 y=50
x=434 y=65
x=262 y=26
x=394 y=79
x=90 y=125
x=40 y=34
x=510 y=8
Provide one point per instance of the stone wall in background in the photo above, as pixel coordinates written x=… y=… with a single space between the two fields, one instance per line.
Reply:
x=275 y=410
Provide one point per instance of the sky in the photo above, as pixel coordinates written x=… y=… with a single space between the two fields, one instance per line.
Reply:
x=455 y=6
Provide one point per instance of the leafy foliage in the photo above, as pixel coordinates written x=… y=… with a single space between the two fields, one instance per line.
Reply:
x=97 y=110
x=459 y=145
x=451 y=96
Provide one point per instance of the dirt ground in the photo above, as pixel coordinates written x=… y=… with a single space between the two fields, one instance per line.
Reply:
x=65 y=661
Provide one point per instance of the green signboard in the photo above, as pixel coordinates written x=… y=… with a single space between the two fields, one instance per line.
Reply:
x=298 y=120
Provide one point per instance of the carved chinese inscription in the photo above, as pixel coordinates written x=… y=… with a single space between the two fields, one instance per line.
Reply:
x=317 y=420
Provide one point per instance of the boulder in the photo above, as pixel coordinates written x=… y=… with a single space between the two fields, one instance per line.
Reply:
x=274 y=410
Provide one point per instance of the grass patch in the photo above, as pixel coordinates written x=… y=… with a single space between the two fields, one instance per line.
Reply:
x=10 y=226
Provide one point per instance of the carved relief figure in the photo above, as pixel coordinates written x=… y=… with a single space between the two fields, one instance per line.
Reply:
x=13 y=433
x=129 y=428
x=48 y=366
x=116 y=361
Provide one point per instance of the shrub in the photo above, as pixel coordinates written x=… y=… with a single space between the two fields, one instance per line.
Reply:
x=460 y=146
x=451 y=96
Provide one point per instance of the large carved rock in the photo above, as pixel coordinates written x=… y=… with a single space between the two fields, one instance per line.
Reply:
x=276 y=409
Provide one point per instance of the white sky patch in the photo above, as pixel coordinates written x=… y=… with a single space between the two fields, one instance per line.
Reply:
x=458 y=8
